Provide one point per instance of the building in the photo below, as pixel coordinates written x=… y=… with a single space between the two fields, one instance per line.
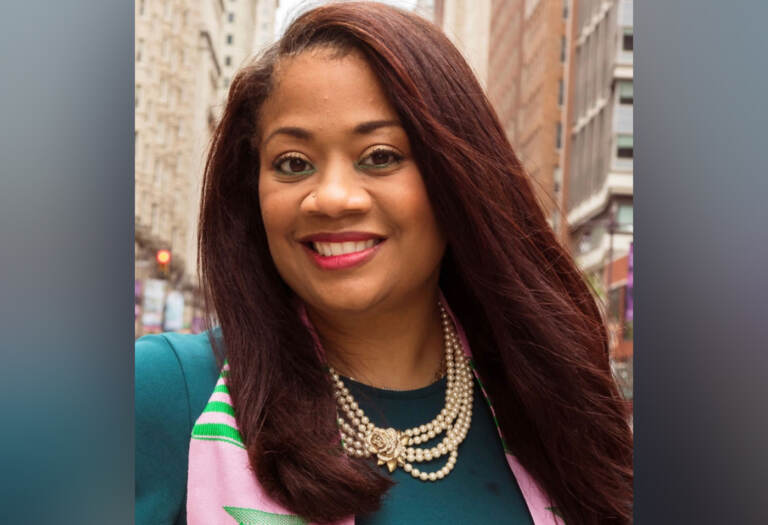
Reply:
x=528 y=86
x=427 y=9
x=249 y=27
x=178 y=100
x=519 y=50
x=559 y=75
x=600 y=170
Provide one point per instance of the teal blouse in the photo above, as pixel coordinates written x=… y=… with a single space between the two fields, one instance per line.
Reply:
x=175 y=376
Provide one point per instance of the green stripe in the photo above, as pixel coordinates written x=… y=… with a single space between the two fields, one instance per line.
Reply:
x=219 y=430
x=493 y=412
x=555 y=511
x=260 y=517
x=225 y=440
x=221 y=388
x=219 y=406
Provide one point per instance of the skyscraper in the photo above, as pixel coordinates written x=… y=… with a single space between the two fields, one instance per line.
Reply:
x=520 y=50
x=249 y=26
x=183 y=52
x=600 y=176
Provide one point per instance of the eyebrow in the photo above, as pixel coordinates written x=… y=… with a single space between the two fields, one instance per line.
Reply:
x=368 y=127
x=361 y=129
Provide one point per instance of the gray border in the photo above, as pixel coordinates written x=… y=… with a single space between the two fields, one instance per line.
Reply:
x=700 y=256
x=66 y=215
x=66 y=262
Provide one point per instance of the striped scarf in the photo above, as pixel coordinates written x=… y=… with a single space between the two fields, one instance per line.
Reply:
x=223 y=489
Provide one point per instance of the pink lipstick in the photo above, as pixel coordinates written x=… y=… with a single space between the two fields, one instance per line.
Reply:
x=336 y=251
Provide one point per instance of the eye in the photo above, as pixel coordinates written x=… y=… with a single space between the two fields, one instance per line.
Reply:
x=380 y=158
x=293 y=164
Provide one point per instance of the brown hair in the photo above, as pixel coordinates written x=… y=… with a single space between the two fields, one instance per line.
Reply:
x=536 y=333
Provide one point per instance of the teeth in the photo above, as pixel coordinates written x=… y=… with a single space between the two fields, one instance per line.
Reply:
x=328 y=249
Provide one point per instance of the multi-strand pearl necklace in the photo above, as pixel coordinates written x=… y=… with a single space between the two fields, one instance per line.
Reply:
x=394 y=448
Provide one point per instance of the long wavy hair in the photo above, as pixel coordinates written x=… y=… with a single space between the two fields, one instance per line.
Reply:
x=535 y=330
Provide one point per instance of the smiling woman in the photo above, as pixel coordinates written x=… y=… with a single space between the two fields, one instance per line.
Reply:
x=336 y=169
x=381 y=273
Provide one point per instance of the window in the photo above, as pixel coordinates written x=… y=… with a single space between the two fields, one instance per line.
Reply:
x=137 y=97
x=229 y=39
x=624 y=221
x=558 y=135
x=625 y=93
x=560 y=93
x=562 y=49
x=227 y=61
x=139 y=49
x=627 y=43
x=565 y=8
x=231 y=17
x=625 y=146
x=141 y=7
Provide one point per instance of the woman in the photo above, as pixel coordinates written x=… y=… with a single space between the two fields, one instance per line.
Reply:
x=365 y=228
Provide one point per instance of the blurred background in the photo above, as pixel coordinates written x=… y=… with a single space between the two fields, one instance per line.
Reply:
x=558 y=72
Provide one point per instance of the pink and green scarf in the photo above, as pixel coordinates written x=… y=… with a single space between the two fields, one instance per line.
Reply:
x=223 y=489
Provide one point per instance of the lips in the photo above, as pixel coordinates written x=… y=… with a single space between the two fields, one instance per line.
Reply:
x=342 y=249
x=328 y=249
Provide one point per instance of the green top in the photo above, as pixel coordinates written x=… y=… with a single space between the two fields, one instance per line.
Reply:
x=480 y=489
x=175 y=376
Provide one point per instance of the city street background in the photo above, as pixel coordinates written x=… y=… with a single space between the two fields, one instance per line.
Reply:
x=559 y=74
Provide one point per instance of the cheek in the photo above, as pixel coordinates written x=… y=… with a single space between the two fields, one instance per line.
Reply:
x=415 y=212
x=277 y=216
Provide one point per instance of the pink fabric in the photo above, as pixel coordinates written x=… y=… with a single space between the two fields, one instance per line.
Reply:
x=220 y=396
x=537 y=502
x=220 y=473
x=217 y=417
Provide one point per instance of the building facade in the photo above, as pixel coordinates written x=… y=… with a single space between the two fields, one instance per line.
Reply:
x=249 y=27
x=600 y=176
x=520 y=51
x=180 y=48
x=559 y=75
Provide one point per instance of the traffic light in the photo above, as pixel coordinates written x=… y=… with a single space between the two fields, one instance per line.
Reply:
x=163 y=258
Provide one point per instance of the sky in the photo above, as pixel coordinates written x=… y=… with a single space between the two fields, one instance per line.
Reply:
x=288 y=9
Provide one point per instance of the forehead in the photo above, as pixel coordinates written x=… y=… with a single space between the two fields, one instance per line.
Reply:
x=320 y=89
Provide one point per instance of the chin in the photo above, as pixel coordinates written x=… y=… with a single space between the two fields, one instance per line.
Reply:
x=345 y=299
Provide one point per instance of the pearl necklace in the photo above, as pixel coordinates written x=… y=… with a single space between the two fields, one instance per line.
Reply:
x=362 y=439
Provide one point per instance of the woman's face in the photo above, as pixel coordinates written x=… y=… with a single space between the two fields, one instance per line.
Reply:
x=348 y=221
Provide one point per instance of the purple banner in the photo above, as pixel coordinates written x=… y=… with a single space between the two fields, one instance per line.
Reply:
x=629 y=314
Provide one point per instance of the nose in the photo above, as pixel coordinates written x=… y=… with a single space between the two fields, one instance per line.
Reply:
x=339 y=191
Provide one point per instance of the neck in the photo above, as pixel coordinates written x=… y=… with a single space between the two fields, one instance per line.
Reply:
x=399 y=347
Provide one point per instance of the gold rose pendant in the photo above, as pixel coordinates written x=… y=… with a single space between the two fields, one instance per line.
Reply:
x=388 y=445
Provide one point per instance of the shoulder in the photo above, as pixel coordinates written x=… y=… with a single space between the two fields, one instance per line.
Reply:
x=174 y=377
x=174 y=367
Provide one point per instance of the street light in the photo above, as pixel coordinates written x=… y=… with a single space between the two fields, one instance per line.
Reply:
x=163 y=258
